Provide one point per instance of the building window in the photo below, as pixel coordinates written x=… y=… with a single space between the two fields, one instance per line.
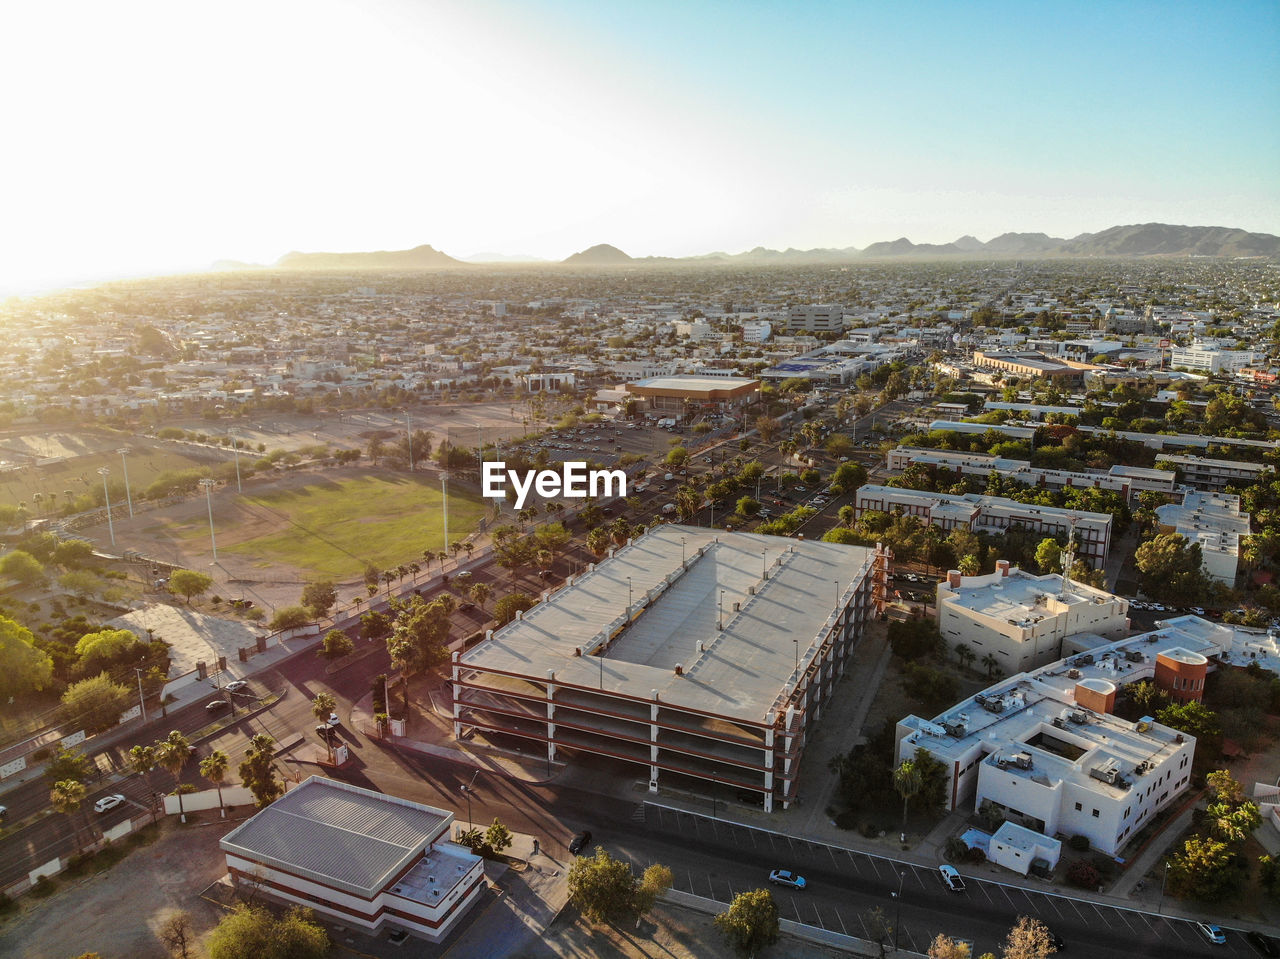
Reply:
x=1095 y=814
x=1079 y=807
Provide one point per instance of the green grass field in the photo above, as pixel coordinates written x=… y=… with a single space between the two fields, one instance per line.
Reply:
x=80 y=475
x=331 y=528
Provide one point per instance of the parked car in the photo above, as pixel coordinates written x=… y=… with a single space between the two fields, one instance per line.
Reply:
x=951 y=877
x=784 y=877
x=1213 y=933
x=217 y=706
x=236 y=686
x=546 y=574
x=334 y=720
x=580 y=842
x=1263 y=945
x=326 y=732
x=107 y=803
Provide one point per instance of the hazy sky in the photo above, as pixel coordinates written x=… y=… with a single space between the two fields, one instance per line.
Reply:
x=145 y=137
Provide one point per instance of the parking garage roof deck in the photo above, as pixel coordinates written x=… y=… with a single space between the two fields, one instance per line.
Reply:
x=787 y=592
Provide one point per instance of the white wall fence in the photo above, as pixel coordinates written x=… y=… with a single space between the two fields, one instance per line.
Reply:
x=208 y=799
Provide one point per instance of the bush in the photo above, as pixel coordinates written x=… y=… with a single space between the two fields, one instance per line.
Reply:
x=975 y=854
x=1079 y=843
x=44 y=887
x=289 y=617
x=1083 y=875
x=847 y=820
x=956 y=849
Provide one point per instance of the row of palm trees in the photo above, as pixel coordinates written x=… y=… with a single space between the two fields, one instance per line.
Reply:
x=967 y=656
x=170 y=754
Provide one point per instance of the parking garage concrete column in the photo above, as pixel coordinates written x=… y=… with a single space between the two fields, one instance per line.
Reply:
x=457 y=695
x=653 y=742
x=551 y=715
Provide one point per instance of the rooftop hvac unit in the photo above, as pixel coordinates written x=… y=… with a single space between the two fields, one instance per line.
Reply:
x=956 y=730
x=1108 y=772
x=1077 y=716
x=1144 y=724
x=1073 y=673
x=1134 y=655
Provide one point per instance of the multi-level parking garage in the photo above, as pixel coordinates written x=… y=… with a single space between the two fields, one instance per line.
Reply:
x=689 y=652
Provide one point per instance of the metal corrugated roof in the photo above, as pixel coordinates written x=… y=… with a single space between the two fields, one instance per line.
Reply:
x=343 y=836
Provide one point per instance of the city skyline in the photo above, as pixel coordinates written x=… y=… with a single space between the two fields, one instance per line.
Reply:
x=150 y=139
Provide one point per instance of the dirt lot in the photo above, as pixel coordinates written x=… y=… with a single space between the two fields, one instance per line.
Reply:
x=116 y=913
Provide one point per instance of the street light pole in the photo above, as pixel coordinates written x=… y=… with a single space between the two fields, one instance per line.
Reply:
x=467 y=790
x=208 y=485
x=125 y=466
x=141 y=701
x=444 y=505
x=408 y=432
x=235 y=449
x=111 y=529
x=629 y=595
x=897 y=912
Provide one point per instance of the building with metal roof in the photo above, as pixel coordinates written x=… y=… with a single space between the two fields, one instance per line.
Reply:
x=696 y=654
x=362 y=857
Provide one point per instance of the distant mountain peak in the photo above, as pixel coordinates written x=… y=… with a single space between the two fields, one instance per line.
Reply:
x=424 y=257
x=602 y=254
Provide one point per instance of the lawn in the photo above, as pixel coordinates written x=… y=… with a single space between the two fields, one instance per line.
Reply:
x=331 y=528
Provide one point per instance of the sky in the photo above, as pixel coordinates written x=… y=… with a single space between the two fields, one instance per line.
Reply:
x=151 y=137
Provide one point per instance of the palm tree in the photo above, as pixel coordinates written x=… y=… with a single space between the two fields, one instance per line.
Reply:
x=415 y=569
x=37 y=498
x=172 y=753
x=991 y=663
x=429 y=556
x=67 y=797
x=480 y=593
x=469 y=547
x=321 y=708
x=388 y=578
x=214 y=768
x=908 y=781
x=142 y=760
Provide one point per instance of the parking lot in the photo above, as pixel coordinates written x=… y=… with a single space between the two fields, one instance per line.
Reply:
x=843 y=886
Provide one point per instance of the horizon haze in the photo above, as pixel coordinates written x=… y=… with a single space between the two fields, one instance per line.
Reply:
x=167 y=139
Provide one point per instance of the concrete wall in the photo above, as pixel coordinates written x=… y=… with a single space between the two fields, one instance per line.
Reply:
x=208 y=799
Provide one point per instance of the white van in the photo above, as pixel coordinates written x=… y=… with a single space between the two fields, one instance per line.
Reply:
x=669 y=508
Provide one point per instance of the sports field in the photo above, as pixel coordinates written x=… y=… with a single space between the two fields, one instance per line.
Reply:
x=329 y=526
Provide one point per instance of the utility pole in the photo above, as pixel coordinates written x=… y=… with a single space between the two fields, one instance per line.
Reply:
x=125 y=466
x=208 y=485
x=141 y=701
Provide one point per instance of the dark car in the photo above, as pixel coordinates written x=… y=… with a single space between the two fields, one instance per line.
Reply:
x=580 y=842
x=546 y=574
x=327 y=733
x=1263 y=945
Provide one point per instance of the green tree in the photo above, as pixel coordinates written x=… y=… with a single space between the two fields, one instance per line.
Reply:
x=750 y=923
x=419 y=640
x=908 y=780
x=1206 y=869
x=189 y=583
x=23 y=668
x=335 y=645
x=173 y=753
x=505 y=609
x=253 y=932
x=68 y=764
x=98 y=652
x=23 y=567
x=1193 y=718
x=768 y=428
x=321 y=707
x=843 y=535
x=258 y=773
x=1049 y=556
x=73 y=553
x=95 y=703
x=319 y=598
x=67 y=797
x=375 y=625
x=480 y=593
x=289 y=617
x=677 y=456
x=214 y=768
x=604 y=889
x=1171 y=569
x=142 y=762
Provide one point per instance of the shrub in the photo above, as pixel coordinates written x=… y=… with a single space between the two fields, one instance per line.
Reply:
x=975 y=854
x=956 y=849
x=1079 y=843
x=1083 y=875
x=847 y=819
x=44 y=887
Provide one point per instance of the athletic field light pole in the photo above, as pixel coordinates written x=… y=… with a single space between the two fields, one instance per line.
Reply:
x=111 y=529
x=235 y=449
x=444 y=507
x=125 y=466
x=208 y=485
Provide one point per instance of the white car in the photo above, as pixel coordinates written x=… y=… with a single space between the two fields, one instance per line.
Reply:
x=334 y=720
x=1213 y=933
x=108 y=802
x=783 y=877
x=236 y=686
x=952 y=878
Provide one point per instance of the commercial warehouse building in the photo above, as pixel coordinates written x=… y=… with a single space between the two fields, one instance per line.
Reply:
x=683 y=394
x=360 y=857
x=702 y=657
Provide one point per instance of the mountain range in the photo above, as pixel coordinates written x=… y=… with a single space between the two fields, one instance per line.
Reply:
x=1138 y=240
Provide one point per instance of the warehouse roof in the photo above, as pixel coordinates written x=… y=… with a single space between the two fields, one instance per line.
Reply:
x=340 y=835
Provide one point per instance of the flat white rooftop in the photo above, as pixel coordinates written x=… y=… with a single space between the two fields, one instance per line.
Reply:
x=696 y=384
x=1021 y=597
x=743 y=670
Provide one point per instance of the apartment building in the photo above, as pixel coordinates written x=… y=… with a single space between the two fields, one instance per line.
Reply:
x=698 y=656
x=1214 y=520
x=1023 y=619
x=827 y=318
x=1207 y=473
x=1126 y=480
x=993 y=514
x=1046 y=751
